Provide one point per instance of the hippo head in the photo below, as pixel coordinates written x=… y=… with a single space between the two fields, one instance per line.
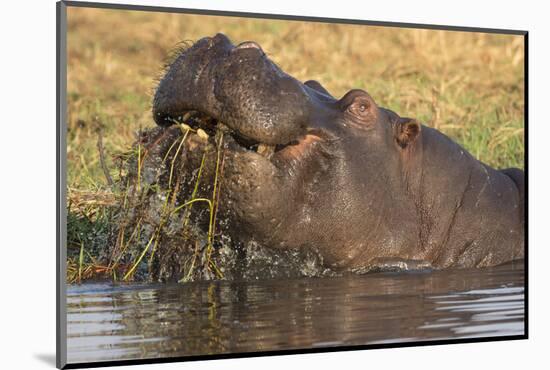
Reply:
x=302 y=168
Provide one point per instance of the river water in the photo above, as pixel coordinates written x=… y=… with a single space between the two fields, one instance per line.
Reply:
x=108 y=322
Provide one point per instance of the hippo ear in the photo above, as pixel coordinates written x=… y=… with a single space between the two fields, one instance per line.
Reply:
x=315 y=85
x=407 y=131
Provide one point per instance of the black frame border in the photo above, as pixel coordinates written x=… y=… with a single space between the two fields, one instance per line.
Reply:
x=61 y=216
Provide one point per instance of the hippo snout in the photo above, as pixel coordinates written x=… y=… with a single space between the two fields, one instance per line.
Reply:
x=237 y=85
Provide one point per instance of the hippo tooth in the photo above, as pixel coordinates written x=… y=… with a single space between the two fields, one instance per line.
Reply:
x=266 y=150
x=202 y=134
x=185 y=126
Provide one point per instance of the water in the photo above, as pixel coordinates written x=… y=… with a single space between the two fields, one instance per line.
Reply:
x=108 y=322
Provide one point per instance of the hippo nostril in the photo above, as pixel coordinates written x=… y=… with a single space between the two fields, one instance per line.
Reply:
x=249 y=45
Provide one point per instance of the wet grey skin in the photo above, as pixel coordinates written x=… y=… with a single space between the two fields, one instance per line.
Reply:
x=362 y=185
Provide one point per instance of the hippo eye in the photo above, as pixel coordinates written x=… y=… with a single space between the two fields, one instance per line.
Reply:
x=360 y=108
x=358 y=104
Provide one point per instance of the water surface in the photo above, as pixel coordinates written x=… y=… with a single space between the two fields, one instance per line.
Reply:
x=113 y=322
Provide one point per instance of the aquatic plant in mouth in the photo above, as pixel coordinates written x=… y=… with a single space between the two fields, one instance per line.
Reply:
x=212 y=205
x=169 y=209
x=138 y=195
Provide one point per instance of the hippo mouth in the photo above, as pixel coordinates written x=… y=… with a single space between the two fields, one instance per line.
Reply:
x=214 y=84
x=201 y=124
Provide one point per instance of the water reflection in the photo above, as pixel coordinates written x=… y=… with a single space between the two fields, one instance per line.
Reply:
x=107 y=322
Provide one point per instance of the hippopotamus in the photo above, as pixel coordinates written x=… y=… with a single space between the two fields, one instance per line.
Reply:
x=364 y=186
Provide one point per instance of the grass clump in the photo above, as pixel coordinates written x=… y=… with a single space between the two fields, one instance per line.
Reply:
x=89 y=223
x=153 y=228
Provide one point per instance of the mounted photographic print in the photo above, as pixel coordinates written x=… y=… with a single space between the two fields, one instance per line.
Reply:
x=235 y=184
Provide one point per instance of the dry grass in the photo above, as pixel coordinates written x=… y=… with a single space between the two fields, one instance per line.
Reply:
x=468 y=85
